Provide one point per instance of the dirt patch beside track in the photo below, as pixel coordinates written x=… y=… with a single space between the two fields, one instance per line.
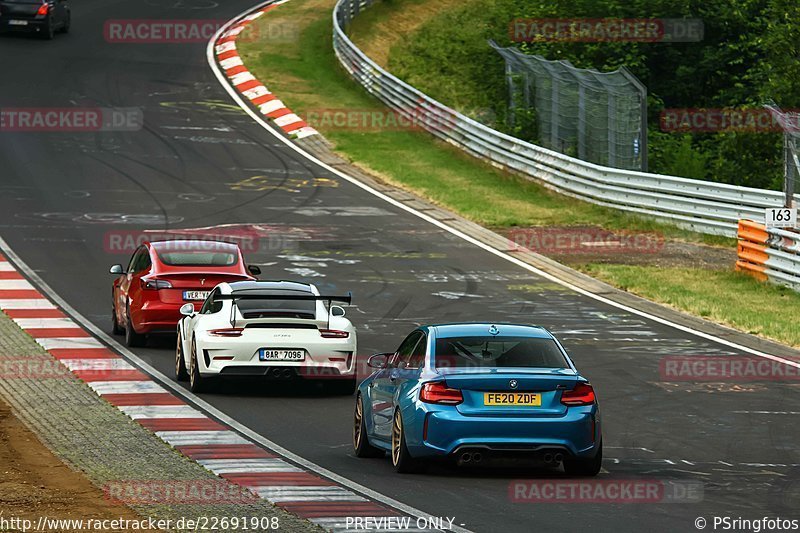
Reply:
x=35 y=483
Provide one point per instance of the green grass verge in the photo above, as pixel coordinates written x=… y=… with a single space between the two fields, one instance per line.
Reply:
x=306 y=75
x=726 y=297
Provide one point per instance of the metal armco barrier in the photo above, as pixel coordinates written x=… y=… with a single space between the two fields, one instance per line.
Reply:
x=770 y=254
x=703 y=206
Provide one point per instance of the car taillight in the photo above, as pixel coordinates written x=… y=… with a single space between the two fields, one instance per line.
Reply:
x=155 y=284
x=44 y=10
x=439 y=392
x=582 y=394
x=226 y=332
x=333 y=334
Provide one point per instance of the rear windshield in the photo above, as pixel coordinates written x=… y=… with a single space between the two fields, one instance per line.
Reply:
x=199 y=258
x=256 y=307
x=498 y=352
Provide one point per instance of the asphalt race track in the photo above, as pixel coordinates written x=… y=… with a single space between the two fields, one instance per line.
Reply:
x=199 y=161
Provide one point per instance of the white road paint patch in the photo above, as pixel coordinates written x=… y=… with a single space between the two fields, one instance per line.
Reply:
x=456 y=295
x=348 y=211
x=767 y=412
x=212 y=140
x=307 y=259
x=310 y=265
x=223 y=129
x=305 y=272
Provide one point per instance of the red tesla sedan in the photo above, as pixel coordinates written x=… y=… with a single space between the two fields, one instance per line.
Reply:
x=163 y=276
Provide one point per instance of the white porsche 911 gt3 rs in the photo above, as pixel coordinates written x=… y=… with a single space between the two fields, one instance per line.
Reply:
x=275 y=329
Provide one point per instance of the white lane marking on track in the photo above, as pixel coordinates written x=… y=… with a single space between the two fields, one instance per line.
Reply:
x=285 y=120
x=304 y=132
x=97 y=364
x=243 y=77
x=126 y=387
x=272 y=105
x=255 y=92
x=234 y=466
x=15 y=284
x=138 y=412
x=26 y=303
x=226 y=47
x=35 y=323
x=68 y=342
x=767 y=412
x=328 y=493
x=206 y=438
x=550 y=277
x=231 y=62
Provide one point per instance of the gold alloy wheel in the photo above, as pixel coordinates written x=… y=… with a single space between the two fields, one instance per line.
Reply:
x=178 y=356
x=193 y=364
x=397 y=438
x=359 y=415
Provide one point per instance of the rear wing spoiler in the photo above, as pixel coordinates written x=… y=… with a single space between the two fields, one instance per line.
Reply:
x=310 y=297
x=302 y=297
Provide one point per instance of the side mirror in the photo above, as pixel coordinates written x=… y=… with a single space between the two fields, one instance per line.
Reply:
x=187 y=309
x=378 y=360
x=254 y=270
x=116 y=269
x=337 y=311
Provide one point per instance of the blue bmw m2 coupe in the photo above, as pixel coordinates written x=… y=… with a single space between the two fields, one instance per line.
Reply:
x=475 y=392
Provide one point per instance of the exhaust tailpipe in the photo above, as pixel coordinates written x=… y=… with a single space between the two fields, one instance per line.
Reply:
x=548 y=457
x=466 y=457
x=558 y=457
x=477 y=457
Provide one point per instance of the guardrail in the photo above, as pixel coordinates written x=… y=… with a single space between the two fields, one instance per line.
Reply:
x=703 y=206
x=770 y=254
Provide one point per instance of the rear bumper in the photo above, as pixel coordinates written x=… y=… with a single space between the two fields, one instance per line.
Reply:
x=32 y=25
x=286 y=373
x=325 y=358
x=158 y=317
x=449 y=432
